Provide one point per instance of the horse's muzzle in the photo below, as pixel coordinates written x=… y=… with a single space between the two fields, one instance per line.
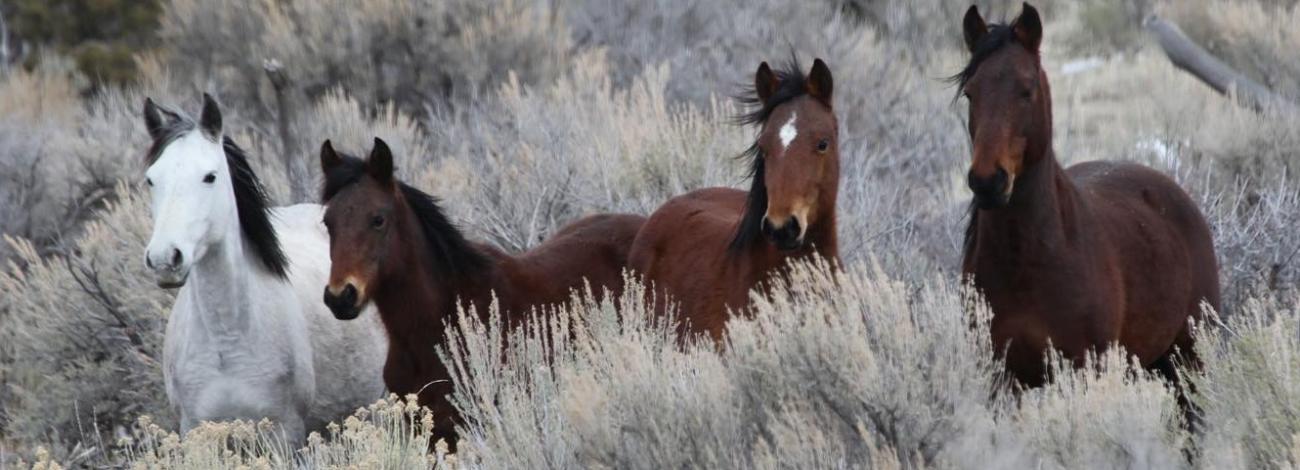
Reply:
x=343 y=304
x=172 y=280
x=169 y=267
x=786 y=237
x=990 y=192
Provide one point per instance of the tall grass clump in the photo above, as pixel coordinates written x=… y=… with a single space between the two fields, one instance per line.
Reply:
x=388 y=434
x=414 y=53
x=1249 y=389
x=1107 y=413
x=847 y=367
x=531 y=159
x=82 y=335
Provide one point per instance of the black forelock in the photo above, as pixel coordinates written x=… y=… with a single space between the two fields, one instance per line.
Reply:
x=793 y=84
x=452 y=254
x=348 y=171
x=997 y=37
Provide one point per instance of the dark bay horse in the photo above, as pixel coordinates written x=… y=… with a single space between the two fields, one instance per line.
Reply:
x=1101 y=253
x=708 y=248
x=392 y=245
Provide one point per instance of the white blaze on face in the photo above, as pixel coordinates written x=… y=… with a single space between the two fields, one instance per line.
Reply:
x=788 y=132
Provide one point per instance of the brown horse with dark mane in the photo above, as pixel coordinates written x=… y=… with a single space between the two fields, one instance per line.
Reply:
x=708 y=248
x=1097 y=254
x=391 y=244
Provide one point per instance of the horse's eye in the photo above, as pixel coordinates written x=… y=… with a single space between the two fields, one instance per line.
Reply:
x=823 y=145
x=210 y=178
x=377 y=221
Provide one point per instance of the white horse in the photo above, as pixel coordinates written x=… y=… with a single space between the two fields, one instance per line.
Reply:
x=249 y=336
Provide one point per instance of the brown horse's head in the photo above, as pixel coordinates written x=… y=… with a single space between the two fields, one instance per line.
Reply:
x=796 y=161
x=1010 y=103
x=359 y=217
x=382 y=231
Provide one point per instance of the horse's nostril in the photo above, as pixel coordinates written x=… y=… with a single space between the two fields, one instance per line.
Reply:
x=349 y=295
x=148 y=261
x=176 y=258
x=992 y=184
x=767 y=226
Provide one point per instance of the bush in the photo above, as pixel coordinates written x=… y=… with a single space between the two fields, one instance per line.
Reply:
x=390 y=433
x=1248 y=390
x=82 y=335
x=845 y=369
x=410 y=52
x=840 y=361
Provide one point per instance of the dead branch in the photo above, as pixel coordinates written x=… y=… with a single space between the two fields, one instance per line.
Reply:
x=1195 y=60
x=286 y=100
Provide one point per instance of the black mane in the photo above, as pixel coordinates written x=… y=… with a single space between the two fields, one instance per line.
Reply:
x=251 y=200
x=452 y=255
x=254 y=209
x=997 y=37
x=793 y=84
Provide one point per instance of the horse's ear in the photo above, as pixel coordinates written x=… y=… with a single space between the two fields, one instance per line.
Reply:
x=973 y=27
x=210 y=119
x=380 y=162
x=1029 y=28
x=765 y=82
x=329 y=159
x=153 y=120
x=820 y=84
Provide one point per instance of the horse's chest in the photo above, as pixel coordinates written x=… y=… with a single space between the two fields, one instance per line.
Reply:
x=226 y=384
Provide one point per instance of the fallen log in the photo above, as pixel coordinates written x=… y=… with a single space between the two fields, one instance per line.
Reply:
x=1190 y=57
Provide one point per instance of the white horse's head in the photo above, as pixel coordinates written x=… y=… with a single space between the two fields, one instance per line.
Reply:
x=203 y=192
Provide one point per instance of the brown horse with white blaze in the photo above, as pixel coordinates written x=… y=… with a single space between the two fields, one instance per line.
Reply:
x=392 y=245
x=1081 y=258
x=708 y=248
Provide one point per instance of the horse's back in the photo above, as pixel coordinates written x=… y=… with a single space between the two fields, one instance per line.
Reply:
x=589 y=251
x=1159 y=237
x=682 y=253
x=705 y=216
x=348 y=356
x=685 y=227
x=1133 y=196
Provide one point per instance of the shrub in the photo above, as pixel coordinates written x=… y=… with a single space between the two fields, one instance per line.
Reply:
x=863 y=368
x=1248 y=390
x=389 y=433
x=82 y=334
x=411 y=52
x=1108 y=414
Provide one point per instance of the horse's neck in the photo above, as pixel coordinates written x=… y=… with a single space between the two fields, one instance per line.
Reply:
x=416 y=306
x=1041 y=219
x=824 y=238
x=221 y=283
